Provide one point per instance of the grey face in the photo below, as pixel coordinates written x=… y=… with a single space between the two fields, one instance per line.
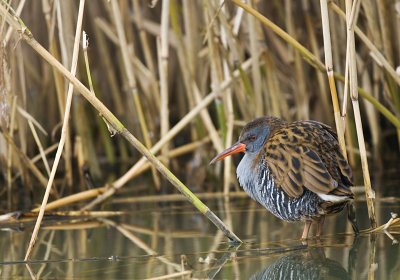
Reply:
x=254 y=138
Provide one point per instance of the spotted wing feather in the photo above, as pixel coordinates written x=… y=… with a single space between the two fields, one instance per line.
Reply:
x=306 y=155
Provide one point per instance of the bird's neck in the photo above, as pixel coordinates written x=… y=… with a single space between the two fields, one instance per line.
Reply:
x=247 y=173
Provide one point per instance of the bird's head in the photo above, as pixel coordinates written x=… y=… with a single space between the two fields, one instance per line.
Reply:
x=253 y=137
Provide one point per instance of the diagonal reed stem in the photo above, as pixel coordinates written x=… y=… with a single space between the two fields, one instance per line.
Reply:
x=27 y=36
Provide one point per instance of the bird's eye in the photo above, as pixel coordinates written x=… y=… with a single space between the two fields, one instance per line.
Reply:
x=252 y=137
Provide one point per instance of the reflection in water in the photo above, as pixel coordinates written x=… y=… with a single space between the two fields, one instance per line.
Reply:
x=311 y=264
x=176 y=241
x=302 y=262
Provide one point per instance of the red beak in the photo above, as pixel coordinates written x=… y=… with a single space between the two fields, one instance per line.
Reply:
x=236 y=148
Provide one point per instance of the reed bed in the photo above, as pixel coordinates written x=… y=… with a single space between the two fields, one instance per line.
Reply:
x=182 y=77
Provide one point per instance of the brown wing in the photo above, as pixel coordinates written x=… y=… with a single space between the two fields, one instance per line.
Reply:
x=327 y=147
x=302 y=155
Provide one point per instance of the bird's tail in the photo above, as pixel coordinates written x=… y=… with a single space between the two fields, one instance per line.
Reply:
x=351 y=216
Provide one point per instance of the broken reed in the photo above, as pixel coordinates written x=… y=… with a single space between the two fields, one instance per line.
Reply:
x=208 y=42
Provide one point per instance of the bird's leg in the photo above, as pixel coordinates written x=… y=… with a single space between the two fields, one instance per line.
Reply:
x=307 y=226
x=351 y=215
x=320 y=225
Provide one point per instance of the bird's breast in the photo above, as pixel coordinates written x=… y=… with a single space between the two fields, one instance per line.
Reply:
x=257 y=181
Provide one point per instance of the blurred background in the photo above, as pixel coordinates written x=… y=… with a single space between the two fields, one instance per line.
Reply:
x=152 y=72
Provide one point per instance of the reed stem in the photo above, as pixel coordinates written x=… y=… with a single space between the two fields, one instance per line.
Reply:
x=329 y=70
x=370 y=195
x=64 y=130
x=19 y=26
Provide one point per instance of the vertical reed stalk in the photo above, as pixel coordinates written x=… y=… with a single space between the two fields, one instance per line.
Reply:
x=63 y=131
x=331 y=79
x=385 y=29
x=215 y=66
x=378 y=57
x=315 y=49
x=277 y=103
x=351 y=18
x=58 y=80
x=144 y=42
x=130 y=75
x=108 y=147
x=163 y=47
x=255 y=69
x=10 y=154
x=346 y=84
x=104 y=52
x=300 y=95
x=228 y=104
x=64 y=44
x=190 y=83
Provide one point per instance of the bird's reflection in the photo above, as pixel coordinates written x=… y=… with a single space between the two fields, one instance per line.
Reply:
x=303 y=265
x=307 y=264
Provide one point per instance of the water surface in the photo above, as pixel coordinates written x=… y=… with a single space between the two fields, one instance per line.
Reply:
x=154 y=239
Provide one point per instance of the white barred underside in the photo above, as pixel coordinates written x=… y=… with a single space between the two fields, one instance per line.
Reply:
x=260 y=185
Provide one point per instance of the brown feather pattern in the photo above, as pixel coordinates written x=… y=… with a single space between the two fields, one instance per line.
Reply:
x=306 y=154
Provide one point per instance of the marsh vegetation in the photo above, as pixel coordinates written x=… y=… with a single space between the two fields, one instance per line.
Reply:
x=143 y=101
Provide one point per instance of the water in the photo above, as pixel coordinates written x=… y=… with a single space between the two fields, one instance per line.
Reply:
x=152 y=240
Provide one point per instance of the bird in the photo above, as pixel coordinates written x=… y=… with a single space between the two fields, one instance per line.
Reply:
x=295 y=170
